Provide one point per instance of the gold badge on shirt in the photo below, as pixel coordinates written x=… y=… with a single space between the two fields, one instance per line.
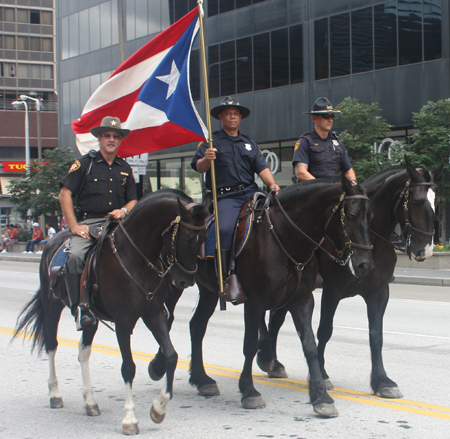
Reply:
x=76 y=165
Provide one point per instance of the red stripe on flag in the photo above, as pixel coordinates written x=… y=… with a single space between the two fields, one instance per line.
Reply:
x=154 y=139
x=161 y=42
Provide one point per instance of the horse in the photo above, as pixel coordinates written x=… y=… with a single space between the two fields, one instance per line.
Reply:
x=157 y=242
x=398 y=195
x=287 y=230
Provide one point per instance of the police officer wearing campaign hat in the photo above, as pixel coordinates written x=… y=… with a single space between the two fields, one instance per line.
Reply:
x=320 y=154
x=236 y=158
x=103 y=185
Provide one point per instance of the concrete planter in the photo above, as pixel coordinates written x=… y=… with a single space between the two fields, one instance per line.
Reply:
x=439 y=261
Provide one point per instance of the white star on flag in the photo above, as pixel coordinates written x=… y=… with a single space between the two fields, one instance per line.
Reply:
x=171 y=79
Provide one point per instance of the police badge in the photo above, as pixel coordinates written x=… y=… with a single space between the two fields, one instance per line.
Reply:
x=248 y=146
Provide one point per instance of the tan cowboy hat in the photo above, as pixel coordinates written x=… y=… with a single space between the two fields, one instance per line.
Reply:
x=110 y=123
x=229 y=102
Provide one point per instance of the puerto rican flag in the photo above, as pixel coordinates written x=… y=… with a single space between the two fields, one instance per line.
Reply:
x=150 y=94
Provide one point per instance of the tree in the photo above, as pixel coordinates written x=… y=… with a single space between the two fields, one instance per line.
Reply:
x=431 y=142
x=361 y=128
x=37 y=194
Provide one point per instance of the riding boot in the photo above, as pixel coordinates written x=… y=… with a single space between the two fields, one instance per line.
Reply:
x=83 y=316
x=232 y=287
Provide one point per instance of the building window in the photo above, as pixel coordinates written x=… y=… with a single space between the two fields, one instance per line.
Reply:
x=267 y=60
x=362 y=40
x=9 y=42
x=9 y=15
x=387 y=35
x=221 y=6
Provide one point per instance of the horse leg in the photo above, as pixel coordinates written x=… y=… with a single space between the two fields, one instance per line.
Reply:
x=84 y=354
x=157 y=367
x=266 y=357
x=206 y=386
x=376 y=306
x=123 y=333
x=159 y=326
x=51 y=346
x=251 y=398
x=322 y=403
x=329 y=305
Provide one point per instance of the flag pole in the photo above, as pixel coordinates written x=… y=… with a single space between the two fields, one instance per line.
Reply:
x=213 y=170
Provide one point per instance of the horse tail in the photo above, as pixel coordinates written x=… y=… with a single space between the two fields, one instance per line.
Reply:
x=31 y=320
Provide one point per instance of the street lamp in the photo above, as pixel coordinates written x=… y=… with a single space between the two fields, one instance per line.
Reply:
x=38 y=109
x=27 y=135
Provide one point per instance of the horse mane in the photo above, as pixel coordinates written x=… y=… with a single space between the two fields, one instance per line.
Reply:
x=305 y=187
x=381 y=176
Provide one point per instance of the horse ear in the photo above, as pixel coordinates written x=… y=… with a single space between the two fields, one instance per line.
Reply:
x=436 y=172
x=413 y=175
x=184 y=213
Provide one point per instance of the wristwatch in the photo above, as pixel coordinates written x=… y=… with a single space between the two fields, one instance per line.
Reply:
x=125 y=210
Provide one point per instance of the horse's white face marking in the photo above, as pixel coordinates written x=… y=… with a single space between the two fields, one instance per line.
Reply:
x=431 y=196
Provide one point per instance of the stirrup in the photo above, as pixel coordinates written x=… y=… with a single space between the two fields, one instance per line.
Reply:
x=233 y=291
x=85 y=318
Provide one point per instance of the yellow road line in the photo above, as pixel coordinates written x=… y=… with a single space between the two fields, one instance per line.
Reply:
x=291 y=384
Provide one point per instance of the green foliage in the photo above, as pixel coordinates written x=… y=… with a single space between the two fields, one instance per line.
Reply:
x=24 y=235
x=431 y=142
x=37 y=194
x=361 y=128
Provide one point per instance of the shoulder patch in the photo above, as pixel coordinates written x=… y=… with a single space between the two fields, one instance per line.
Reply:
x=76 y=165
x=297 y=145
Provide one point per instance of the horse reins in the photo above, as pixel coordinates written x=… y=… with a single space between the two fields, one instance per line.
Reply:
x=405 y=236
x=171 y=257
x=348 y=244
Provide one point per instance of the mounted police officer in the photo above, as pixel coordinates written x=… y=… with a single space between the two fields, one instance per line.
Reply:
x=237 y=158
x=320 y=154
x=103 y=185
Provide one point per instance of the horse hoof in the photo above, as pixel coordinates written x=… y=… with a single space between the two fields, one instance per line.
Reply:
x=56 y=403
x=390 y=392
x=209 y=390
x=253 y=402
x=130 y=429
x=92 y=410
x=278 y=373
x=326 y=410
x=157 y=418
x=265 y=366
x=153 y=375
x=328 y=384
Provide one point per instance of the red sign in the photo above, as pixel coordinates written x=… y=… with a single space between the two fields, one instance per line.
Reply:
x=14 y=166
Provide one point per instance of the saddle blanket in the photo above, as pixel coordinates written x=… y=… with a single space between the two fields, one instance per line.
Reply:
x=60 y=257
x=210 y=243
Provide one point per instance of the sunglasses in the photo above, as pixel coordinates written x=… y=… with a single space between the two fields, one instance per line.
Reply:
x=114 y=136
x=328 y=116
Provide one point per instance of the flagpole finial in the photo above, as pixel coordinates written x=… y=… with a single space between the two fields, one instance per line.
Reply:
x=200 y=6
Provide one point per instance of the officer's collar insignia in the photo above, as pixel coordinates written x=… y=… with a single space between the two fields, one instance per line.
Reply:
x=113 y=123
x=248 y=146
x=76 y=165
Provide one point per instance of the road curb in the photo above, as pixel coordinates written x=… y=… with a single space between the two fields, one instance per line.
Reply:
x=421 y=280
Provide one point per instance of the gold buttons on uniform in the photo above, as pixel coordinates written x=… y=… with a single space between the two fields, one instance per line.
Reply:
x=110 y=179
x=110 y=192
x=109 y=202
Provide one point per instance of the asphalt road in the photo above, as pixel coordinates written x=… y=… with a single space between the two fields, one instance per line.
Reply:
x=416 y=356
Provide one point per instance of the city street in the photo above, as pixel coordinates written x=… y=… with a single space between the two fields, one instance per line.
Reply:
x=416 y=356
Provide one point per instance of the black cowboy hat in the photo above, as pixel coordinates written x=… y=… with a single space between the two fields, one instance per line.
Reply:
x=229 y=102
x=110 y=123
x=322 y=106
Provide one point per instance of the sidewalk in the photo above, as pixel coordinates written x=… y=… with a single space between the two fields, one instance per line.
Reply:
x=411 y=276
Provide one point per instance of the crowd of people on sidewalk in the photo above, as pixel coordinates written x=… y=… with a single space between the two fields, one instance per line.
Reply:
x=11 y=232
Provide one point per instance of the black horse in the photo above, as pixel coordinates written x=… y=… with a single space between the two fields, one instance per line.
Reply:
x=161 y=236
x=277 y=269
x=397 y=196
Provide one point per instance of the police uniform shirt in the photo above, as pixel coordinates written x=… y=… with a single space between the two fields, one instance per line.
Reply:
x=325 y=158
x=237 y=160
x=106 y=187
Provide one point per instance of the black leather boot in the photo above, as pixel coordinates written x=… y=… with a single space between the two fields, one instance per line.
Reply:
x=83 y=316
x=232 y=287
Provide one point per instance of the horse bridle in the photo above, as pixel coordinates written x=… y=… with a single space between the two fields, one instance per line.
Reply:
x=299 y=266
x=171 y=256
x=405 y=236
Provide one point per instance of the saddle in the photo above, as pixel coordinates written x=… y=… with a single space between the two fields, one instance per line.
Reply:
x=56 y=270
x=242 y=231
